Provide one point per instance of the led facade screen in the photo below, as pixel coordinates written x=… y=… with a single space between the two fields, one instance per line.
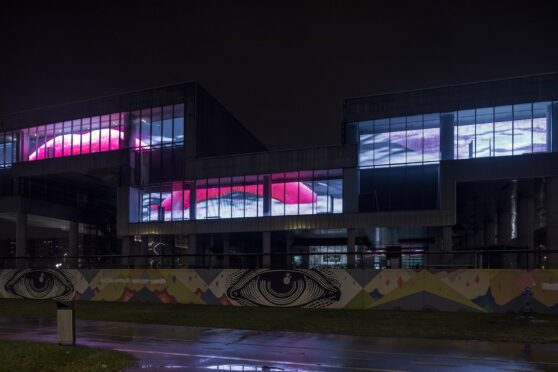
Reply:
x=483 y=132
x=142 y=130
x=277 y=194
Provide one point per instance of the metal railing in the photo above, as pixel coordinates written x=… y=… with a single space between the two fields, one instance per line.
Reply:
x=480 y=259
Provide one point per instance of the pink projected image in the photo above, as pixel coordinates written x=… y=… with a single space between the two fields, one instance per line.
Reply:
x=285 y=192
x=74 y=144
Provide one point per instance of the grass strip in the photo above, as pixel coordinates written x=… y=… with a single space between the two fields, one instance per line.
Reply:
x=421 y=324
x=34 y=356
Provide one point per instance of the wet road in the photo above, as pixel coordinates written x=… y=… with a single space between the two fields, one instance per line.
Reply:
x=159 y=347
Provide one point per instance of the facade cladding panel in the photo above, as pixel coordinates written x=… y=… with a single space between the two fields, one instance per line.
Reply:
x=422 y=170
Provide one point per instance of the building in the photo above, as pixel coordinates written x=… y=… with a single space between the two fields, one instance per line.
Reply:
x=460 y=176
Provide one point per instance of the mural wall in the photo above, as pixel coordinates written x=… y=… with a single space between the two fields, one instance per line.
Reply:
x=456 y=290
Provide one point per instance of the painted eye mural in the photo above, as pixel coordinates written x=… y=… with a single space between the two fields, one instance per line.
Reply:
x=40 y=284
x=284 y=288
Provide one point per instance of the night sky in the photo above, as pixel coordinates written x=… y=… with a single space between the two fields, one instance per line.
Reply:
x=282 y=68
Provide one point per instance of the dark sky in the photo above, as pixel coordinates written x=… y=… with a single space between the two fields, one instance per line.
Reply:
x=282 y=68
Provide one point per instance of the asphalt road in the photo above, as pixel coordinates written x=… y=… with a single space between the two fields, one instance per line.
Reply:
x=160 y=347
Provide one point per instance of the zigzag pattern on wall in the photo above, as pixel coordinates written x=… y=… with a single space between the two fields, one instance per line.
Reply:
x=455 y=290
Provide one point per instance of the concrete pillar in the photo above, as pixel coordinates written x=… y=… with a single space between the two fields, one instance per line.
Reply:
x=21 y=239
x=446 y=135
x=226 y=252
x=351 y=189
x=266 y=249
x=526 y=227
x=144 y=251
x=288 y=245
x=351 y=238
x=490 y=221
x=126 y=251
x=73 y=243
x=551 y=206
x=193 y=261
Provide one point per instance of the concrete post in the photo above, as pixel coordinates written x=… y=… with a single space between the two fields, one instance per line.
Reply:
x=525 y=229
x=126 y=251
x=144 y=250
x=73 y=243
x=551 y=206
x=351 y=238
x=226 y=252
x=21 y=239
x=288 y=245
x=266 y=249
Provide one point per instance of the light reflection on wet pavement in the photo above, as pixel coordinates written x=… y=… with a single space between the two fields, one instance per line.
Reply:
x=162 y=347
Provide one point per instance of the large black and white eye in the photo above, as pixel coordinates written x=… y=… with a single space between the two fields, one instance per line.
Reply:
x=284 y=288
x=39 y=284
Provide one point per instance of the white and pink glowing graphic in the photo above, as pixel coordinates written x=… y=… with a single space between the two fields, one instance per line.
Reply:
x=285 y=192
x=75 y=144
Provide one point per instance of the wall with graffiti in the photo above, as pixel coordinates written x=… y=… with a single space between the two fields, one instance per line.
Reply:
x=455 y=290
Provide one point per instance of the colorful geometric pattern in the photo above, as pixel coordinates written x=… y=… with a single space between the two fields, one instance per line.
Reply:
x=482 y=290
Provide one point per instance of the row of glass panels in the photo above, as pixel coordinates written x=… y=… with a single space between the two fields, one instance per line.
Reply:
x=141 y=129
x=291 y=193
x=483 y=132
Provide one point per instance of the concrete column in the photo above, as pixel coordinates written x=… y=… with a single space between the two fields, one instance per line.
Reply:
x=144 y=251
x=193 y=261
x=288 y=245
x=490 y=221
x=126 y=251
x=73 y=243
x=226 y=252
x=351 y=189
x=266 y=249
x=446 y=135
x=551 y=206
x=21 y=238
x=351 y=238
x=525 y=228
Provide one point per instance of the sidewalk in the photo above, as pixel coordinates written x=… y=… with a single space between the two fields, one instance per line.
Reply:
x=202 y=349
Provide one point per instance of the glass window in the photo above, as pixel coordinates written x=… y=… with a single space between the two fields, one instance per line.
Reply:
x=522 y=129
x=431 y=138
x=156 y=126
x=201 y=199
x=167 y=125
x=503 y=131
x=414 y=139
x=485 y=132
x=465 y=134
x=95 y=136
x=366 y=144
x=145 y=134
x=178 y=124
x=398 y=140
x=277 y=194
x=381 y=142
x=237 y=197
x=225 y=195
x=540 y=128
x=253 y=197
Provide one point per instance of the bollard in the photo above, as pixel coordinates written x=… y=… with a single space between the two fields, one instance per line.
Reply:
x=66 y=323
